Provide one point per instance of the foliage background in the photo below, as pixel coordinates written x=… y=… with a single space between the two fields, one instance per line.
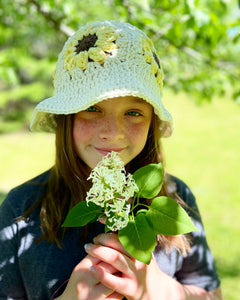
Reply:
x=198 y=42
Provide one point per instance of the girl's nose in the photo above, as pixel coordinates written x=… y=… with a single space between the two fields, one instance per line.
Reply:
x=112 y=129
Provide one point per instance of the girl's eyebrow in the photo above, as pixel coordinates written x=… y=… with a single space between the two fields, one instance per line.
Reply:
x=139 y=100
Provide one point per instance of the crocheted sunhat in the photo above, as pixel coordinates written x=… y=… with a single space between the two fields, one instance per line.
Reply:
x=104 y=60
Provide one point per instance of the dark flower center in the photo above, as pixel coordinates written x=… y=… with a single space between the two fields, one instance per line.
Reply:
x=86 y=43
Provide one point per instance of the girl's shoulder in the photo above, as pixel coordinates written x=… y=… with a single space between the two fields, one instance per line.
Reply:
x=180 y=190
x=176 y=185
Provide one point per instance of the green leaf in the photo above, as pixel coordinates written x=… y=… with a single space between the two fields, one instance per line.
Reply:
x=107 y=229
x=138 y=238
x=168 y=217
x=81 y=214
x=149 y=180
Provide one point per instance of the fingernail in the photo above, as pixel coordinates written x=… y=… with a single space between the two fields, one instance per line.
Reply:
x=86 y=246
x=100 y=219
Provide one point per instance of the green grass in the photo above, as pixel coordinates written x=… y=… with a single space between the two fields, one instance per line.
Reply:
x=203 y=151
x=24 y=155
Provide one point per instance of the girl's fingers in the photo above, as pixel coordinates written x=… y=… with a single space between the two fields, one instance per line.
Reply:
x=115 y=296
x=105 y=289
x=111 y=256
x=100 y=291
x=102 y=220
x=107 y=267
x=87 y=262
x=84 y=285
x=112 y=281
x=110 y=240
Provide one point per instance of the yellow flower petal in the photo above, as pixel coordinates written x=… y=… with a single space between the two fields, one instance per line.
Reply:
x=159 y=78
x=106 y=47
x=154 y=68
x=89 y=30
x=146 y=47
x=150 y=43
x=69 y=52
x=110 y=47
x=82 y=60
x=73 y=43
x=102 y=30
x=79 y=36
x=71 y=65
x=148 y=57
x=107 y=38
x=69 y=57
x=97 y=55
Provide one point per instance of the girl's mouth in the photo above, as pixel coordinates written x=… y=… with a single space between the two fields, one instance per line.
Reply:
x=105 y=151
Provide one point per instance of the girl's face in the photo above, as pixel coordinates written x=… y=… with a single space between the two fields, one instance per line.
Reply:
x=119 y=124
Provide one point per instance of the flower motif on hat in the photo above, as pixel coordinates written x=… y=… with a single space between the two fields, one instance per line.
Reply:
x=91 y=44
x=152 y=59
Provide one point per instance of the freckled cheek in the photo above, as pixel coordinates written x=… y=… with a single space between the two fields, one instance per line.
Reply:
x=138 y=133
x=83 y=131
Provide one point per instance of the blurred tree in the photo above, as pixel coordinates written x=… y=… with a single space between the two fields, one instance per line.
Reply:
x=198 y=42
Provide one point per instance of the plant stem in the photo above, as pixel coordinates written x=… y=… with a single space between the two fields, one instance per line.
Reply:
x=138 y=205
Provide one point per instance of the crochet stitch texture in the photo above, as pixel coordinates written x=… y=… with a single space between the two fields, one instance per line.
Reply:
x=104 y=60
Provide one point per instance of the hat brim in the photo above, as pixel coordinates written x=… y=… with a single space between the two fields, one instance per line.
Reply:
x=44 y=113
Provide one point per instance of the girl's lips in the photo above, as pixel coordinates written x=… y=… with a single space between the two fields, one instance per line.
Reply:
x=105 y=151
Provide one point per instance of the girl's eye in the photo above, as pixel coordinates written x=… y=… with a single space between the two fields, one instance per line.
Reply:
x=92 y=109
x=133 y=113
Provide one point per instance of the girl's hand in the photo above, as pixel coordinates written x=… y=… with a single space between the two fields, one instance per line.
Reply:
x=138 y=281
x=83 y=285
x=109 y=272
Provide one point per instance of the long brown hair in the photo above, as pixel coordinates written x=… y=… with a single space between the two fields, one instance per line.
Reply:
x=68 y=184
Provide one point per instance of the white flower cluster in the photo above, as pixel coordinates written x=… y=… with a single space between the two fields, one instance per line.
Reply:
x=111 y=190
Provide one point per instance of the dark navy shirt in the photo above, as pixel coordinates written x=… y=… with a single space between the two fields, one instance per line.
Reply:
x=33 y=271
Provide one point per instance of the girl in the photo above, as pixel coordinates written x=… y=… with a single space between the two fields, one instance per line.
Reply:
x=107 y=98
